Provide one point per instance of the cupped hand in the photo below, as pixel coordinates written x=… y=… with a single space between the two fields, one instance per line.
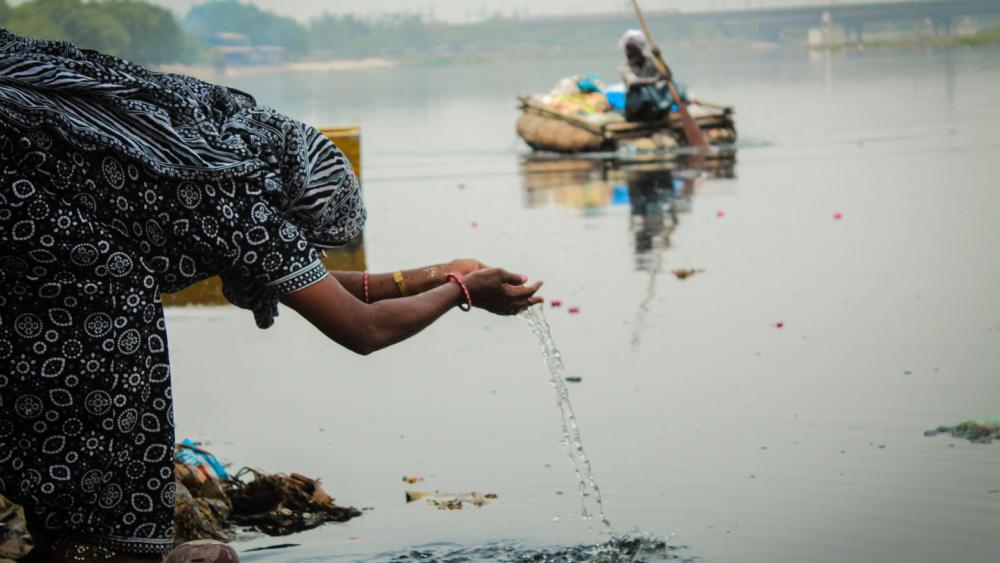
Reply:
x=501 y=292
x=465 y=266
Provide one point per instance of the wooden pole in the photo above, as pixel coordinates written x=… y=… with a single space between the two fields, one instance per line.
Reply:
x=692 y=132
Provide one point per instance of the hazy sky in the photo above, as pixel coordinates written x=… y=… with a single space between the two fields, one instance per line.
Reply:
x=461 y=10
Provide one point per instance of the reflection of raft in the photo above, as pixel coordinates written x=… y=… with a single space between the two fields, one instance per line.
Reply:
x=546 y=128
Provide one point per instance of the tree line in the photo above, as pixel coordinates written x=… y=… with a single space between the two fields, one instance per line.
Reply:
x=148 y=34
x=127 y=28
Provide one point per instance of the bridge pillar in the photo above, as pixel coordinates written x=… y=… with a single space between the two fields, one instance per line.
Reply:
x=771 y=33
x=942 y=25
x=854 y=30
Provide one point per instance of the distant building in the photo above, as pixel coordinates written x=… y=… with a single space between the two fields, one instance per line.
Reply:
x=237 y=50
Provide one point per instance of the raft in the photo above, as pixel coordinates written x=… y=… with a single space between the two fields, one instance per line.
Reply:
x=546 y=128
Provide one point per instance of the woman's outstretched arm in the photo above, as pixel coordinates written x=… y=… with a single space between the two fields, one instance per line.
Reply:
x=366 y=328
x=416 y=281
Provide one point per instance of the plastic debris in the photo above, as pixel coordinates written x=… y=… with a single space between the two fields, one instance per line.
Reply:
x=779 y=324
x=411 y=479
x=204 y=461
x=683 y=274
x=720 y=214
x=556 y=303
x=838 y=216
x=573 y=310
x=450 y=501
x=573 y=378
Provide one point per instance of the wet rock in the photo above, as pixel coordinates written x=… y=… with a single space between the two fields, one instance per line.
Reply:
x=200 y=518
x=15 y=541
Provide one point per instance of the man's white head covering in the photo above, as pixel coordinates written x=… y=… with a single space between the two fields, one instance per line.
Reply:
x=633 y=37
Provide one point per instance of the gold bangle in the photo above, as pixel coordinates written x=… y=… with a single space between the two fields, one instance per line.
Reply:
x=400 y=283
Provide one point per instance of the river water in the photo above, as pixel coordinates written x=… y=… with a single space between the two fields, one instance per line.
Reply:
x=770 y=408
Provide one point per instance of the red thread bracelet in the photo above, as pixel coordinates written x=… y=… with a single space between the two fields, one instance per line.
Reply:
x=367 y=296
x=468 y=298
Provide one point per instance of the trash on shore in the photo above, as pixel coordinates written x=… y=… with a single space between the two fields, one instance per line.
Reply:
x=685 y=273
x=450 y=501
x=275 y=504
x=982 y=431
x=15 y=541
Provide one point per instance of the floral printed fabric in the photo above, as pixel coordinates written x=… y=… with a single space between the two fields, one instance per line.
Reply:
x=88 y=240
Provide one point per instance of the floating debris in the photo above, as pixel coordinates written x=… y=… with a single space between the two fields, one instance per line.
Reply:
x=411 y=479
x=779 y=324
x=574 y=310
x=720 y=214
x=276 y=504
x=556 y=303
x=683 y=274
x=450 y=501
x=976 y=431
x=573 y=378
x=838 y=216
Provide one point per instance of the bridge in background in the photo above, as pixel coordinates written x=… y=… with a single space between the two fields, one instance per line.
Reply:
x=770 y=22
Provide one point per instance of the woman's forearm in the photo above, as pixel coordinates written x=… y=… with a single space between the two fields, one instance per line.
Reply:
x=365 y=328
x=384 y=286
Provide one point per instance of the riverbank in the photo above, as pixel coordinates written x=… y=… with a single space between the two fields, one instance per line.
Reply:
x=309 y=67
x=982 y=38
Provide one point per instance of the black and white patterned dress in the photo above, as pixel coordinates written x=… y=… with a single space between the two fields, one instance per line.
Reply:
x=89 y=237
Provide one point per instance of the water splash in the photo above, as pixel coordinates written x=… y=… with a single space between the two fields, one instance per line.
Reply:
x=571 y=440
x=629 y=548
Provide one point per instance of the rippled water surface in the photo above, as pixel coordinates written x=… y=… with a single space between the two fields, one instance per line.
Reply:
x=768 y=408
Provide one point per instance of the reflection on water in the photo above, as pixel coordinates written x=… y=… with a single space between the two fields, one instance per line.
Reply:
x=712 y=427
x=656 y=192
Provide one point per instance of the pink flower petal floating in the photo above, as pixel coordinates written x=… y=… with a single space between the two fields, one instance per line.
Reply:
x=556 y=303
x=779 y=324
x=473 y=224
x=838 y=216
x=720 y=214
x=573 y=310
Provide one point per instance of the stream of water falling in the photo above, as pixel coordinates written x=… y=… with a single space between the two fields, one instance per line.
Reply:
x=571 y=441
